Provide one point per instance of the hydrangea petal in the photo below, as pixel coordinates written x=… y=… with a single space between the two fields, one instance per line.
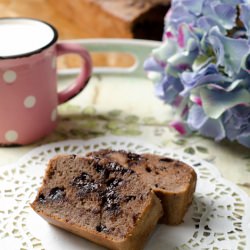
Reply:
x=193 y=6
x=226 y=14
x=196 y=99
x=246 y=63
x=159 y=91
x=185 y=58
x=201 y=61
x=210 y=74
x=213 y=128
x=222 y=12
x=180 y=59
x=217 y=47
x=229 y=87
x=229 y=125
x=172 y=88
x=242 y=112
x=180 y=15
x=216 y=102
x=170 y=94
x=166 y=50
x=180 y=38
x=245 y=16
x=188 y=37
x=236 y=122
x=233 y=2
x=234 y=50
x=244 y=74
x=152 y=65
x=179 y=126
x=171 y=70
x=196 y=117
x=176 y=83
x=208 y=7
x=206 y=23
x=204 y=71
x=244 y=140
x=154 y=76
x=168 y=88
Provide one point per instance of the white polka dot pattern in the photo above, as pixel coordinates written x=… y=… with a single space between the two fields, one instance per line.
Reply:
x=53 y=115
x=11 y=136
x=29 y=101
x=9 y=76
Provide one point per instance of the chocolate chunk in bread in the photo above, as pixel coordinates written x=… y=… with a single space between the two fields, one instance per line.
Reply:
x=173 y=181
x=100 y=201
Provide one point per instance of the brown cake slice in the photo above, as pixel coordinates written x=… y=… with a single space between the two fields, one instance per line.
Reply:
x=173 y=181
x=100 y=201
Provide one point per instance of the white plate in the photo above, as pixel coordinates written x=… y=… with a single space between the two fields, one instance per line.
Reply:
x=219 y=217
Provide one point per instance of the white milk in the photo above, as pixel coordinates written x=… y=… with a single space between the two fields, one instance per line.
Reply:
x=21 y=36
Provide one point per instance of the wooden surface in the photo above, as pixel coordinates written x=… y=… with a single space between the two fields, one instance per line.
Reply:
x=41 y=9
x=67 y=29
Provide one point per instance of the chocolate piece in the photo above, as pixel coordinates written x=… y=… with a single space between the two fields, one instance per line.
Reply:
x=101 y=228
x=57 y=193
x=166 y=160
x=41 y=198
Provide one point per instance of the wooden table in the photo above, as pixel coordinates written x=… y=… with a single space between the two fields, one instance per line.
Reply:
x=67 y=29
x=41 y=9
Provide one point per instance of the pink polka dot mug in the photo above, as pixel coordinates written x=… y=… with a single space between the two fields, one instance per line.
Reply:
x=28 y=79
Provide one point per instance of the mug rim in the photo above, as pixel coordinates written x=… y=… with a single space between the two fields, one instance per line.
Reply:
x=36 y=51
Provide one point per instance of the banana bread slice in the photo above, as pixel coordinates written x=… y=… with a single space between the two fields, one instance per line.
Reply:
x=173 y=181
x=100 y=201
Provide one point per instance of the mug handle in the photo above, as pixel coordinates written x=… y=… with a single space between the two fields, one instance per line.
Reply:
x=84 y=76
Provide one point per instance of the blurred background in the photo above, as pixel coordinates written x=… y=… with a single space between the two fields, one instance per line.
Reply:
x=77 y=19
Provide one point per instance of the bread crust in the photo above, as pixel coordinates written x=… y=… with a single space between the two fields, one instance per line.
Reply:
x=136 y=239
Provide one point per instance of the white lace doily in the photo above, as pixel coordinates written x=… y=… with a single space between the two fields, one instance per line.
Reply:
x=219 y=217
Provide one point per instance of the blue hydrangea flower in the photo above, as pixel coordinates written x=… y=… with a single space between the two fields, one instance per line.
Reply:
x=202 y=67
